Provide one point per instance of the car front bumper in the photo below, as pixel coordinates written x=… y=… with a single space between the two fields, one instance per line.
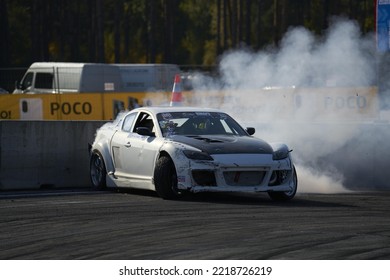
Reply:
x=238 y=173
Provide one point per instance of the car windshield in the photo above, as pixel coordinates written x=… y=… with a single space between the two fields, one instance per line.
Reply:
x=198 y=123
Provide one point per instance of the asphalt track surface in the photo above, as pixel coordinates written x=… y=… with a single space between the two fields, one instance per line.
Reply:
x=84 y=224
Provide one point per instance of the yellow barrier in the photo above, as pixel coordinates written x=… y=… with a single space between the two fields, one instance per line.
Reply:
x=339 y=103
x=73 y=106
x=285 y=103
x=313 y=104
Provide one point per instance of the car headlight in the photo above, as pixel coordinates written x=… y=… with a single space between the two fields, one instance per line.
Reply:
x=281 y=151
x=197 y=155
x=278 y=155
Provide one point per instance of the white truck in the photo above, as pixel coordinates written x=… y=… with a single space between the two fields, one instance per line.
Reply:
x=148 y=77
x=59 y=77
x=55 y=77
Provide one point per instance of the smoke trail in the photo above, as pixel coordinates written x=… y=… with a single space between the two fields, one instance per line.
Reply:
x=294 y=73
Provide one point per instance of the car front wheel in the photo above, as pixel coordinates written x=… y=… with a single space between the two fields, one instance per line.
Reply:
x=97 y=171
x=165 y=178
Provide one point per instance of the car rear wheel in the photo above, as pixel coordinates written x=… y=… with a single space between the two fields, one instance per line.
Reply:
x=97 y=171
x=165 y=178
x=285 y=196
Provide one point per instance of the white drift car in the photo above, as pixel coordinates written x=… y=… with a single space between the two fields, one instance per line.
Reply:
x=176 y=149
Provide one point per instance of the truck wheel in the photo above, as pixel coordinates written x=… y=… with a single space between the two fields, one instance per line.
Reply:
x=285 y=196
x=97 y=171
x=165 y=179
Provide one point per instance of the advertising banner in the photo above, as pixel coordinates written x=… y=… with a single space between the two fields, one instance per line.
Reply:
x=383 y=25
x=270 y=104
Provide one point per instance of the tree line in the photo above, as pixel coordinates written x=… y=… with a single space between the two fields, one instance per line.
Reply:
x=184 y=32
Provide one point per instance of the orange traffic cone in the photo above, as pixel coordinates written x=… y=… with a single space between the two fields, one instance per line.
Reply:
x=176 y=99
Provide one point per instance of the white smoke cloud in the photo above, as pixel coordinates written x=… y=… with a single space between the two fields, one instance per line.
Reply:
x=341 y=58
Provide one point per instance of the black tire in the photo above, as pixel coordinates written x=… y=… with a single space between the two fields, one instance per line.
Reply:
x=285 y=196
x=165 y=179
x=97 y=171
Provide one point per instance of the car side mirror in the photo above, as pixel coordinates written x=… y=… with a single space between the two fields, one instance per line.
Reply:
x=250 y=130
x=18 y=85
x=144 y=131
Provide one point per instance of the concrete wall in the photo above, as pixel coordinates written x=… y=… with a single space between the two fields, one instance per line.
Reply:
x=37 y=154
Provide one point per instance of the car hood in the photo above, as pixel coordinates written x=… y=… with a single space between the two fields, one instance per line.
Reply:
x=224 y=144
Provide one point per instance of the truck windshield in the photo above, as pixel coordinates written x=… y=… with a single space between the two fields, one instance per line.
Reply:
x=27 y=81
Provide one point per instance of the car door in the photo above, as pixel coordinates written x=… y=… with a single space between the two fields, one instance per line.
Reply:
x=134 y=154
x=120 y=143
x=143 y=149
